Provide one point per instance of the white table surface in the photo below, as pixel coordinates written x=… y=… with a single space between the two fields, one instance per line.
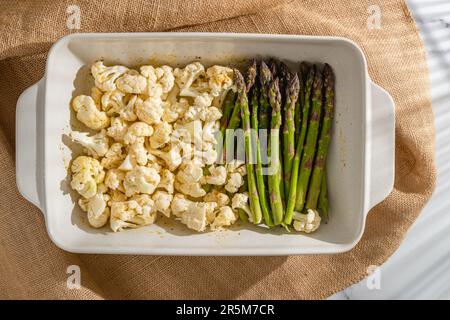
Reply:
x=420 y=269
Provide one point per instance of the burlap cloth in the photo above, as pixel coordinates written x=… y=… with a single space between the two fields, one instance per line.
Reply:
x=31 y=266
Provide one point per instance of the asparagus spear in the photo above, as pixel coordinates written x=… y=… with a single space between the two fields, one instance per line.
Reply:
x=310 y=145
x=289 y=128
x=228 y=106
x=259 y=169
x=265 y=77
x=274 y=181
x=299 y=149
x=323 y=197
x=303 y=75
x=245 y=115
x=324 y=140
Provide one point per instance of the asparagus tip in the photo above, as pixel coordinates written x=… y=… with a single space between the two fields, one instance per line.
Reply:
x=251 y=75
x=328 y=75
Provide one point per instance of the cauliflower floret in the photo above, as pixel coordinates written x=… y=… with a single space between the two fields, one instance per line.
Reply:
x=132 y=82
x=150 y=110
x=189 y=173
x=96 y=94
x=225 y=217
x=174 y=111
x=161 y=136
x=165 y=78
x=105 y=77
x=179 y=204
x=96 y=208
x=128 y=111
x=208 y=155
x=113 y=157
x=188 y=180
x=162 y=202
x=236 y=165
x=171 y=155
x=218 y=175
x=112 y=102
x=203 y=100
x=218 y=197
x=235 y=181
x=195 y=215
x=159 y=77
x=128 y=163
x=114 y=179
x=308 y=222
x=190 y=132
x=141 y=180
x=194 y=189
x=133 y=213
x=220 y=79
x=87 y=173
x=118 y=129
x=138 y=151
x=89 y=114
x=210 y=130
x=167 y=180
x=202 y=113
x=136 y=131
x=240 y=201
x=96 y=146
x=186 y=77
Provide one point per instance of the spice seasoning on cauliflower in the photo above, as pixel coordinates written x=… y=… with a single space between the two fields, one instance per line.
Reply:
x=155 y=148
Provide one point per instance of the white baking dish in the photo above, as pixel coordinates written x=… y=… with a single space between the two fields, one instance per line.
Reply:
x=360 y=163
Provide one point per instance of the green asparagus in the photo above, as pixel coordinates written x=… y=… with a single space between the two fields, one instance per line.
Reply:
x=323 y=197
x=274 y=181
x=289 y=130
x=303 y=75
x=245 y=115
x=322 y=149
x=299 y=149
x=259 y=169
x=310 y=145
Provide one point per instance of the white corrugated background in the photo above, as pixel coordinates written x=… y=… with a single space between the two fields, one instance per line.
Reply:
x=420 y=269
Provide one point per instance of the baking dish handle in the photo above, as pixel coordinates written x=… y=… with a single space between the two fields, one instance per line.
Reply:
x=382 y=137
x=27 y=138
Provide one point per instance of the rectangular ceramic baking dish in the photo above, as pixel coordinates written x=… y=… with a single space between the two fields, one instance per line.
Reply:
x=360 y=162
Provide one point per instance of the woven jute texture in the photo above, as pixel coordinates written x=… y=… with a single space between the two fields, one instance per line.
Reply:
x=31 y=266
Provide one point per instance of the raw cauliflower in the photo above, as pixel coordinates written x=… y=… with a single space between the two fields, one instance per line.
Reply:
x=118 y=129
x=96 y=207
x=87 y=173
x=218 y=175
x=225 y=217
x=218 y=197
x=105 y=77
x=150 y=110
x=240 y=201
x=161 y=135
x=154 y=148
x=133 y=213
x=137 y=130
x=113 y=157
x=132 y=82
x=184 y=78
x=220 y=79
x=308 y=222
x=89 y=114
x=96 y=146
x=162 y=202
x=141 y=180
x=195 y=215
